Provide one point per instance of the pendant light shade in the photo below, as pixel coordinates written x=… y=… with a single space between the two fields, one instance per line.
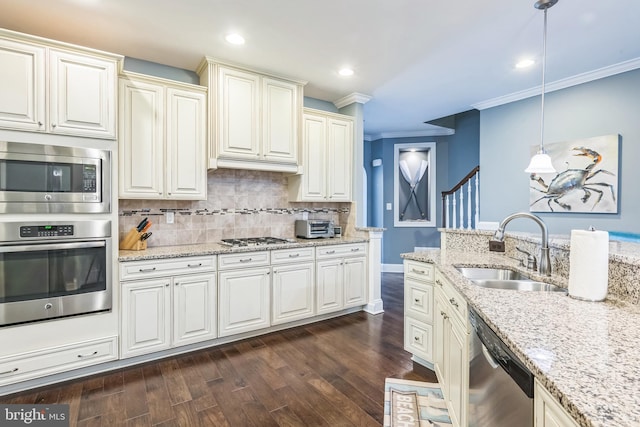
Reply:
x=541 y=162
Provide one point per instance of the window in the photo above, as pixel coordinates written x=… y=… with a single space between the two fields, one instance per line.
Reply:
x=415 y=185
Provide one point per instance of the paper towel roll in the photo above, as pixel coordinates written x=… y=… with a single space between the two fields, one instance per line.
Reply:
x=589 y=265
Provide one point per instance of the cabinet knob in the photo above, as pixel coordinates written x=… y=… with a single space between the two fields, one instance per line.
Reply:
x=416 y=339
x=53 y=125
x=39 y=124
x=167 y=285
x=443 y=314
x=438 y=282
x=453 y=302
x=416 y=300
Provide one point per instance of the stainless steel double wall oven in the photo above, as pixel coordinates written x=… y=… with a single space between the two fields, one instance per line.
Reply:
x=62 y=267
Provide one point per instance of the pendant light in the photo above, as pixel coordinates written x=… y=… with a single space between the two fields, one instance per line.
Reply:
x=541 y=162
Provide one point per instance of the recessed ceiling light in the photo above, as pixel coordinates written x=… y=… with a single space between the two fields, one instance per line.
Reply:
x=346 y=72
x=234 y=38
x=525 y=63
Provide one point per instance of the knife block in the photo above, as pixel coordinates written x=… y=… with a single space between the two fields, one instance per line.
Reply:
x=132 y=242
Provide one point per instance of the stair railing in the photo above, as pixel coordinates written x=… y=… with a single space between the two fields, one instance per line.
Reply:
x=453 y=216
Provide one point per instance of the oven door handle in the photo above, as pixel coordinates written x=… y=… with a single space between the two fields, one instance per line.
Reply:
x=53 y=246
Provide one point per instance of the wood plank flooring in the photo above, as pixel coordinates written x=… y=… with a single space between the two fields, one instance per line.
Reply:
x=329 y=373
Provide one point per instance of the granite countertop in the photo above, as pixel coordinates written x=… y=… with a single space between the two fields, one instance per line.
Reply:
x=159 y=252
x=586 y=354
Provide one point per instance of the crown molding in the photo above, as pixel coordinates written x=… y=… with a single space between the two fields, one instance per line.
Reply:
x=360 y=98
x=410 y=134
x=589 y=76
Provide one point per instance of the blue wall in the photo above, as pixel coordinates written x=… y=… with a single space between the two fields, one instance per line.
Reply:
x=160 y=70
x=602 y=107
x=456 y=155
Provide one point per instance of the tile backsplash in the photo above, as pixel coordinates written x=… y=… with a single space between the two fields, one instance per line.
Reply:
x=240 y=203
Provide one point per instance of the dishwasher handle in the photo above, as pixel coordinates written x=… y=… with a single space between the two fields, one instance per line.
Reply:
x=487 y=355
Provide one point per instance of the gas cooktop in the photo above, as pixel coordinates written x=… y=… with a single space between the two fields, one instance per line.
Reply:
x=254 y=241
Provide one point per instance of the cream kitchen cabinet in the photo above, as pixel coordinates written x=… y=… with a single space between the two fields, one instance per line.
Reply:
x=547 y=410
x=56 y=88
x=341 y=277
x=167 y=303
x=418 y=310
x=293 y=287
x=451 y=343
x=244 y=292
x=254 y=118
x=327 y=147
x=162 y=151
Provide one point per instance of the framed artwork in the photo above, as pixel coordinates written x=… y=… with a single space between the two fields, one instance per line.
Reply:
x=586 y=181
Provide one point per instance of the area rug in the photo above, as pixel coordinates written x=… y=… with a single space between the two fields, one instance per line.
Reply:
x=414 y=404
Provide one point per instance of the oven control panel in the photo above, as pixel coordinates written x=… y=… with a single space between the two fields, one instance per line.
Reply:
x=46 y=230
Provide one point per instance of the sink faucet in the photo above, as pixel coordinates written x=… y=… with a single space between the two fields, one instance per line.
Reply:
x=545 y=261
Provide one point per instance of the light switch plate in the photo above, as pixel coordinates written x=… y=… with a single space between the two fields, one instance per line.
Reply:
x=170 y=217
x=389 y=207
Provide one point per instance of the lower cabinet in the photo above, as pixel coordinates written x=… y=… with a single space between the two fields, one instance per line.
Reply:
x=167 y=311
x=244 y=300
x=418 y=310
x=451 y=349
x=341 y=282
x=548 y=412
x=293 y=286
x=49 y=361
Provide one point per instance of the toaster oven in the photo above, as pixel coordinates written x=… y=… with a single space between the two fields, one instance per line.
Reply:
x=314 y=228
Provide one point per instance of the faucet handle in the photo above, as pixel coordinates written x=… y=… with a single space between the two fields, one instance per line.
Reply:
x=532 y=263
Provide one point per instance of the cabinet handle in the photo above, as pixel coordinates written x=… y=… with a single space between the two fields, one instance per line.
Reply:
x=53 y=125
x=9 y=372
x=453 y=302
x=443 y=314
x=294 y=255
x=417 y=300
x=245 y=260
x=418 y=271
x=40 y=124
x=416 y=339
x=438 y=282
x=355 y=249
x=84 y=356
x=167 y=285
x=330 y=252
x=194 y=265
x=146 y=270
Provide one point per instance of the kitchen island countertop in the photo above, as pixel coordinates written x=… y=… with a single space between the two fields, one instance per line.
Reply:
x=586 y=354
x=160 y=252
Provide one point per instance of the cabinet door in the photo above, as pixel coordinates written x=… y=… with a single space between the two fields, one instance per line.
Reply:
x=548 y=412
x=418 y=338
x=141 y=153
x=293 y=292
x=355 y=281
x=244 y=301
x=457 y=372
x=280 y=112
x=329 y=286
x=146 y=317
x=82 y=95
x=185 y=145
x=439 y=324
x=314 y=153
x=194 y=308
x=22 y=86
x=339 y=148
x=238 y=114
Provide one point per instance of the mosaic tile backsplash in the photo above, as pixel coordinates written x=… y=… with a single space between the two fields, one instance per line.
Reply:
x=240 y=203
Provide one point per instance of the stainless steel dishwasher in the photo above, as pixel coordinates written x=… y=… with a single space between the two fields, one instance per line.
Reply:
x=500 y=386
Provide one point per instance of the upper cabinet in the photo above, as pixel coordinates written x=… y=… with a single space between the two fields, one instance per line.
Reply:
x=327 y=146
x=254 y=118
x=56 y=88
x=162 y=139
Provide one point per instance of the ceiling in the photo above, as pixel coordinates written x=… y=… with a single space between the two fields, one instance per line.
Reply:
x=419 y=60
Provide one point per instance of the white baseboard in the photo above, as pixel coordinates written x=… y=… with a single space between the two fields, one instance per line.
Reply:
x=392 y=268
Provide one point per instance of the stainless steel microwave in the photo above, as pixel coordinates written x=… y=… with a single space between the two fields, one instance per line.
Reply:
x=37 y=178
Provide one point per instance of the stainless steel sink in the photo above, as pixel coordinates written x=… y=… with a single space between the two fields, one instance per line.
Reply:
x=519 y=285
x=490 y=273
x=503 y=278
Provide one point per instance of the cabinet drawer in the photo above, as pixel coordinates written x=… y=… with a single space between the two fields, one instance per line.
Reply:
x=132 y=270
x=418 y=338
x=334 y=251
x=53 y=360
x=419 y=270
x=454 y=299
x=418 y=300
x=244 y=259
x=286 y=256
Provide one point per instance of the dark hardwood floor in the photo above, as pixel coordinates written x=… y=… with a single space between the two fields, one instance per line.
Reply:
x=329 y=373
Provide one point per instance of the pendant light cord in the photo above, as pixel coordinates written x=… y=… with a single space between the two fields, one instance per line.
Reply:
x=544 y=66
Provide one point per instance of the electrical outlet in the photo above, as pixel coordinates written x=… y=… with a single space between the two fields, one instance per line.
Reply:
x=389 y=206
x=496 y=246
x=170 y=216
x=305 y=215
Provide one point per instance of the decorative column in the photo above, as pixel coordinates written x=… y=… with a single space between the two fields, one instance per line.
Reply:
x=374 y=276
